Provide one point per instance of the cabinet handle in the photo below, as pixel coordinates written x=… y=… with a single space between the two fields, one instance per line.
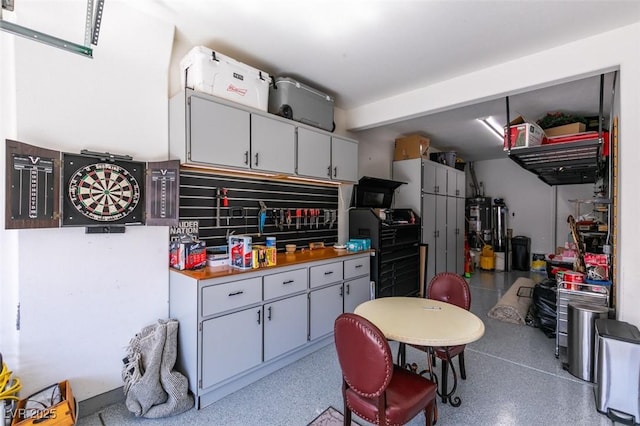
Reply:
x=256 y=158
x=348 y=289
x=341 y=291
x=269 y=315
x=258 y=316
x=358 y=266
x=329 y=171
x=335 y=171
x=287 y=282
x=236 y=293
x=328 y=273
x=246 y=158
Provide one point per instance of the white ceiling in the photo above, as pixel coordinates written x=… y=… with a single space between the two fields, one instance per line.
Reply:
x=361 y=51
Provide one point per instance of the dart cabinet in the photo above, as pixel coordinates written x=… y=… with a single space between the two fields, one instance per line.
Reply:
x=101 y=191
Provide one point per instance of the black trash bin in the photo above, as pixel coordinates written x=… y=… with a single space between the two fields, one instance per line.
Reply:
x=520 y=249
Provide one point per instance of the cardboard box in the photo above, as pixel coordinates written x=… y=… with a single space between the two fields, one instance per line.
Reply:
x=597 y=266
x=412 y=146
x=523 y=134
x=187 y=255
x=240 y=251
x=567 y=129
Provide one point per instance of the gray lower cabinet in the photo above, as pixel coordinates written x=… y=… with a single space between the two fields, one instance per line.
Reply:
x=325 y=305
x=238 y=328
x=230 y=344
x=355 y=292
x=285 y=326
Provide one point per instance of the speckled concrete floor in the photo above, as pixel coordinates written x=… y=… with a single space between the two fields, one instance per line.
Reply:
x=513 y=378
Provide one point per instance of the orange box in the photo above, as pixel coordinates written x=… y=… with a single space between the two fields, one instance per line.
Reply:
x=412 y=146
x=60 y=414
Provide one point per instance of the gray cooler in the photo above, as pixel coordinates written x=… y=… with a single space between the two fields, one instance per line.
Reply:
x=294 y=100
x=617 y=370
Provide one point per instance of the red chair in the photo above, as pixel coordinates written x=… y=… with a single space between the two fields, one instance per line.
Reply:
x=451 y=288
x=373 y=387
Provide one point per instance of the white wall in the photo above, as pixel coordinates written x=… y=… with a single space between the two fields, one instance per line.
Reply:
x=82 y=297
x=605 y=52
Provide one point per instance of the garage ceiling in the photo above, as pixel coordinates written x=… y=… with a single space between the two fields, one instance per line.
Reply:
x=362 y=51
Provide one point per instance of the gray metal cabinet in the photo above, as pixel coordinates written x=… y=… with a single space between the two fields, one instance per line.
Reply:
x=355 y=292
x=314 y=154
x=238 y=328
x=344 y=159
x=434 y=232
x=325 y=305
x=285 y=326
x=205 y=130
x=217 y=133
x=230 y=344
x=272 y=145
x=434 y=177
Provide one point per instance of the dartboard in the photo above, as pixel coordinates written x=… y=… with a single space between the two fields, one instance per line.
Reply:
x=104 y=192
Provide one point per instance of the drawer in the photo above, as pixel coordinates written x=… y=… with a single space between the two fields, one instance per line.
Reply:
x=325 y=274
x=227 y=296
x=284 y=283
x=356 y=267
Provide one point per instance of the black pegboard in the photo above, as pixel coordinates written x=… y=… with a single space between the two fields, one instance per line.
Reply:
x=200 y=191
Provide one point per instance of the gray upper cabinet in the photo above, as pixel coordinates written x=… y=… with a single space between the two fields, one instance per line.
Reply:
x=205 y=130
x=272 y=145
x=344 y=159
x=314 y=154
x=217 y=134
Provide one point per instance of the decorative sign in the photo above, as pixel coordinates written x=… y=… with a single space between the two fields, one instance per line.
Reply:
x=184 y=227
x=32 y=186
x=102 y=192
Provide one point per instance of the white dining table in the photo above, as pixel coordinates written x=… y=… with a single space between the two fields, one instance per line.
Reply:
x=423 y=322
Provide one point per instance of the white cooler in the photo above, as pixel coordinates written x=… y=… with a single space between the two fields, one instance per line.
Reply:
x=213 y=73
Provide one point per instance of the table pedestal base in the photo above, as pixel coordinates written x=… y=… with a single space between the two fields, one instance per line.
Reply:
x=445 y=394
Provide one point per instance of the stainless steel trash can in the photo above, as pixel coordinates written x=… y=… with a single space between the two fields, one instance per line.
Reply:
x=617 y=370
x=580 y=338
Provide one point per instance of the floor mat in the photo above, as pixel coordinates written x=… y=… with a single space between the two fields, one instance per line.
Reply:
x=513 y=306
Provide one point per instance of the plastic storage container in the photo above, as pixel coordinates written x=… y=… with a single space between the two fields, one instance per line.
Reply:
x=617 y=370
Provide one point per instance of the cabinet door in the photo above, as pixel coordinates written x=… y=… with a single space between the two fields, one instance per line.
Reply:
x=285 y=325
x=434 y=178
x=452 y=181
x=344 y=159
x=429 y=231
x=356 y=292
x=218 y=134
x=272 y=145
x=460 y=235
x=461 y=185
x=231 y=344
x=324 y=307
x=314 y=154
x=451 y=234
x=441 y=233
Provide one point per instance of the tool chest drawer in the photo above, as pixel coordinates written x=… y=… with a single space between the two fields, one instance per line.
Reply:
x=325 y=274
x=356 y=267
x=284 y=283
x=227 y=296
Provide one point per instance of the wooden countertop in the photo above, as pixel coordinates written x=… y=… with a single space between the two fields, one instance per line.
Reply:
x=283 y=259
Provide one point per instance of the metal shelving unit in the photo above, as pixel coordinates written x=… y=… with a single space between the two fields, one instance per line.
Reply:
x=565 y=163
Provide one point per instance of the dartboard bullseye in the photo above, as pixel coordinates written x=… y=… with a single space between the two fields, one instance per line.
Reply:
x=104 y=192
